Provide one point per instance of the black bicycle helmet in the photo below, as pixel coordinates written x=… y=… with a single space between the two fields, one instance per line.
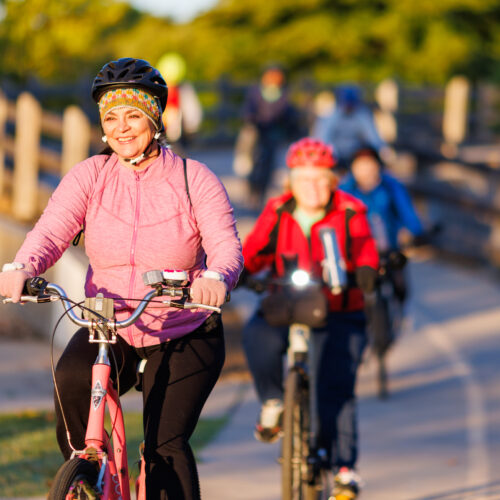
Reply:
x=129 y=72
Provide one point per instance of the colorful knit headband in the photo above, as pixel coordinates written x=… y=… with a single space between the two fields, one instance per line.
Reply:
x=135 y=98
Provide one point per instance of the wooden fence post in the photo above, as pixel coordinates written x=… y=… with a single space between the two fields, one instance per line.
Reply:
x=3 y=121
x=387 y=97
x=75 y=138
x=456 y=103
x=26 y=157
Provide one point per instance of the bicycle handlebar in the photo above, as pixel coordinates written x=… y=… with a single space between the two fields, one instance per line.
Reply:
x=58 y=293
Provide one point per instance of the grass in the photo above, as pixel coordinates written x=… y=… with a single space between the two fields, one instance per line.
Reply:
x=29 y=456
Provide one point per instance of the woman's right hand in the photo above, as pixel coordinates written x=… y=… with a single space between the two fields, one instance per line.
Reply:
x=12 y=283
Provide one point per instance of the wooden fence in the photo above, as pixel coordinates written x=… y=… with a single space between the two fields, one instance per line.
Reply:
x=34 y=141
x=68 y=136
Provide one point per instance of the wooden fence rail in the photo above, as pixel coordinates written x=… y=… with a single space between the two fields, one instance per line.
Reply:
x=70 y=135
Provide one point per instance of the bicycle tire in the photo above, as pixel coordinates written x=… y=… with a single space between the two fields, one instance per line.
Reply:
x=71 y=473
x=383 y=389
x=380 y=328
x=319 y=489
x=311 y=492
x=293 y=444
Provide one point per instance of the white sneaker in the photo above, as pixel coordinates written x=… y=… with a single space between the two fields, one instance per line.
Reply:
x=347 y=484
x=268 y=427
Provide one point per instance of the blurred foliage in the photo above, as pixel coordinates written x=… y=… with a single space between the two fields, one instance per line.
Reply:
x=30 y=455
x=421 y=41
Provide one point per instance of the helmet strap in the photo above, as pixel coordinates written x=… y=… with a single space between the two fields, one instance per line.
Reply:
x=145 y=154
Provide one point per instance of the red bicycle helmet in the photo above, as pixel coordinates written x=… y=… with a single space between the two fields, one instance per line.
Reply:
x=309 y=151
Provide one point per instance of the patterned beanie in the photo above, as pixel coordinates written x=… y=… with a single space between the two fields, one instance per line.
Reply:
x=130 y=97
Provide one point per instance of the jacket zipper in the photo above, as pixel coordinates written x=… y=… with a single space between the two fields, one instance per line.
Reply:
x=133 y=245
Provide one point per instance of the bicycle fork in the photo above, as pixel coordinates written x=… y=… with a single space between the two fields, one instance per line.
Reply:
x=113 y=459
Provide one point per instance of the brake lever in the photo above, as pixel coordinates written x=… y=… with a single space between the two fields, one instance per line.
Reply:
x=34 y=299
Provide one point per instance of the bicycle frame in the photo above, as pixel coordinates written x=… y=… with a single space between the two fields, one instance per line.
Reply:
x=299 y=355
x=109 y=451
x=302 y=476
x=114 y=466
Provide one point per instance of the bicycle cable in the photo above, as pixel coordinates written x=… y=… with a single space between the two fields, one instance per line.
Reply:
x=53 y=372
x=56 y=389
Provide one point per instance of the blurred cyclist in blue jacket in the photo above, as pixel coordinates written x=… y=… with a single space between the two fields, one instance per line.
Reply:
x=349 y=127
x=390 y=207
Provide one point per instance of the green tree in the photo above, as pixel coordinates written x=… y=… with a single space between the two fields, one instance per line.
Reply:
x=422 y=41
x=59 y=41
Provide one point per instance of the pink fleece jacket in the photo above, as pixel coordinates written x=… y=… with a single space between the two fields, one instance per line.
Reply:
x=135 y=222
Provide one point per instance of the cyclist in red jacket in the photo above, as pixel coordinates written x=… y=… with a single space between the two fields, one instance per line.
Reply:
x=290 y=226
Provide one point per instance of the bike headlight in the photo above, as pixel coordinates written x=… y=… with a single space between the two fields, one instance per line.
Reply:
x=300 y=278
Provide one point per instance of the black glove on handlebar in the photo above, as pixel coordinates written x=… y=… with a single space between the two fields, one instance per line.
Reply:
x=366 y=278
x=397 y=260
x=420 y=240
x=243 y=279
x=246 y=280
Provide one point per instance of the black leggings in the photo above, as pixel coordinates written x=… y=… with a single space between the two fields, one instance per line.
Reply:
x=177 y=380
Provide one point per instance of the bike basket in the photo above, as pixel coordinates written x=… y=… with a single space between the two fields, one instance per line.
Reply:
x=307 y=307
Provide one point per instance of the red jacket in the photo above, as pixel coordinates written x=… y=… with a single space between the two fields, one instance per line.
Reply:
x=277 y=233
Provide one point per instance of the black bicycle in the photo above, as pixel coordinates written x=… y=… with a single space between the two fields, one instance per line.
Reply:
x=385 y=313
x=297 y=302
x=385 y=307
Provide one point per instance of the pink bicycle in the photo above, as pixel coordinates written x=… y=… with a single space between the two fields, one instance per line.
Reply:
x=100 y=470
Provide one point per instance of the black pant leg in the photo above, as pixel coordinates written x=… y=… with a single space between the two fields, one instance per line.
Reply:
x=178 y=378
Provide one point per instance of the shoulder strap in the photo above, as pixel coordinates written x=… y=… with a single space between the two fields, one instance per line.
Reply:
x=349 y=214
x=76 y=239
x=184 y=163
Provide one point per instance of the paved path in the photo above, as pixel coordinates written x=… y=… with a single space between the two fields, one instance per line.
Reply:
x=437 y=437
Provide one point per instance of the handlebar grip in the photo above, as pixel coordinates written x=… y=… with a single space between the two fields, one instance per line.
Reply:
x=226 y=299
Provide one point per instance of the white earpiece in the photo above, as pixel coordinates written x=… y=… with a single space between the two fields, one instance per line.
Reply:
x=157 y=135
x=104 y=138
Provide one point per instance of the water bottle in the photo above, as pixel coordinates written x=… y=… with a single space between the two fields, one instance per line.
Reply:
x=379 y=231
x=334 y=264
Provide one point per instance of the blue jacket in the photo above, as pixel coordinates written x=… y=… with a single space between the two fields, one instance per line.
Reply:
x=389 y=209
x=348 y=131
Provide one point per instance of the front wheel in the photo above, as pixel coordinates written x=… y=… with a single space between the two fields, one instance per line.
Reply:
x=294 y=444
x=75 y=480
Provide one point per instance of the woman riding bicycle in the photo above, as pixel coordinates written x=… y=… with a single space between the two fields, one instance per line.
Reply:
x=141 y=209
x=288 y=227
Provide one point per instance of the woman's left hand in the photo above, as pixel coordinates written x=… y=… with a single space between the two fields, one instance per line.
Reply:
x=208 y=291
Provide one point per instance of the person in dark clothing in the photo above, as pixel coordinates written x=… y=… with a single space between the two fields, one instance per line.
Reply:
x=267 y=107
